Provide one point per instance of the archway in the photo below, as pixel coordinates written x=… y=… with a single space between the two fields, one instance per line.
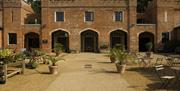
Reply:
x=176 y=33
x=118 y=37
x=89 y=41
x=32 y=40
x=61 y=37
x=144 y=38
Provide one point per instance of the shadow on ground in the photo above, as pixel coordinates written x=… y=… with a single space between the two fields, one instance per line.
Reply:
x=150 y=74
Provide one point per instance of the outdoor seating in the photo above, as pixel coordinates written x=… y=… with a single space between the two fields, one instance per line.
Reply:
x=144 y=61
x=171 y=61
x=164 y=77
x=159 y=61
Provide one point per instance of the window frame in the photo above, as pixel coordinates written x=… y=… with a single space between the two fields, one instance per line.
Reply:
x=55 y=16
x=114 y=16
x=13 y=37
x=92 y=16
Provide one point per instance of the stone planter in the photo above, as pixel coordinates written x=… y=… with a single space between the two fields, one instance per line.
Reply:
x=53 y=70
x=148 y=54
x=120 y=68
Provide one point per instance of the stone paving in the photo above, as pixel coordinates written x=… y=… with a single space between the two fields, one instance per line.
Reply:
x=88 y=72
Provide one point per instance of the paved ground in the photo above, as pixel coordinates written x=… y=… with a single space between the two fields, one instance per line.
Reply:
x=88 y=72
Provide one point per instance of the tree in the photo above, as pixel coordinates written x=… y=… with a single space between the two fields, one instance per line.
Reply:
x=36 y=6
x=142 y=4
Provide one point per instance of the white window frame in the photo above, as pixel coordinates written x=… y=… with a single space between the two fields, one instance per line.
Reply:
x=114 y=16
x=55 y=20
x=85 y=16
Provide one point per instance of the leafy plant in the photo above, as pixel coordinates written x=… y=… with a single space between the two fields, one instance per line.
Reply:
x=20 y=56
x=6 y=56
x=54 y=59
x=149 y=46
x=104 y=45
x=121 y=56
x=58 y=47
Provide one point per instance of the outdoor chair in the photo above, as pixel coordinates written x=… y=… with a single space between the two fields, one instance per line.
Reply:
x=164 y=77
x=159 y=61
x=172 y=61
x=144 y=61
x=169 y=61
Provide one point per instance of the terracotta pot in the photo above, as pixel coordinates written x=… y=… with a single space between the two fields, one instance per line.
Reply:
x=121 y=68
x=112 y=58
x=53 y=69
x=148 y=54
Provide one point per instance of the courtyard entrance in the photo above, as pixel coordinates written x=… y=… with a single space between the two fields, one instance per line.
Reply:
x=61 y=37
x=144 y=38
x=118 y=37
x=89 y=41
x=31 y=40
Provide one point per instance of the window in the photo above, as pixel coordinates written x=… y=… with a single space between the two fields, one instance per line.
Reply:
x=59 y=16
x=118 y=16
x=12 y=38
x=89 y=16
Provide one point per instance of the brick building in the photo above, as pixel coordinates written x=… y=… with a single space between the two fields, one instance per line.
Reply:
x=86 y=25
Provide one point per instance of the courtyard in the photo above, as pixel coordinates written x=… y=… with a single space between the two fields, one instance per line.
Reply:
x=87 y=72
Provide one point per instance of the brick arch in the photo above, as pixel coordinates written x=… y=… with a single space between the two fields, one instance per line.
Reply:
x=89 y=41
x=145 y=37
x=118 y=36
x=91 y=30
x=60 y=36
x=124 y=30
x=32 y=40
x=54 y=30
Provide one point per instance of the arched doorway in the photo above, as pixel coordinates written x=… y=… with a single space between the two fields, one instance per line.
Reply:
x=176 y=33
x=61 y=37
x=89 y=41
x=118 y=37
x=32 y=40
x=144 y=38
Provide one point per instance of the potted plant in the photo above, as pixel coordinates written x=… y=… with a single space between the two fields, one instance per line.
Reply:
x=104 y=47
x=149 y=47
x=122 y=56
x=53 y=68
x=112 y=55
x=58 y=48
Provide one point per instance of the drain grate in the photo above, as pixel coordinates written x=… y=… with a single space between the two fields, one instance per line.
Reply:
x=88 y=66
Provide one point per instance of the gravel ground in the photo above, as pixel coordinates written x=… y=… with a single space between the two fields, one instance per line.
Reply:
x=84 y=72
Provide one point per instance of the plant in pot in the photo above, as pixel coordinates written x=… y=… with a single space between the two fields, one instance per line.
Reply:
x=58 y=48
x=149 y=47
x=112 y=55
x=53 y=68
x=121 y=58
x=104 y=47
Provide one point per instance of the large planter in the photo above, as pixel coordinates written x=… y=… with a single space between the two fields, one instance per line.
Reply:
x=53 y=69
x=112 y=58
x=148 y=54
x=120 y=68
